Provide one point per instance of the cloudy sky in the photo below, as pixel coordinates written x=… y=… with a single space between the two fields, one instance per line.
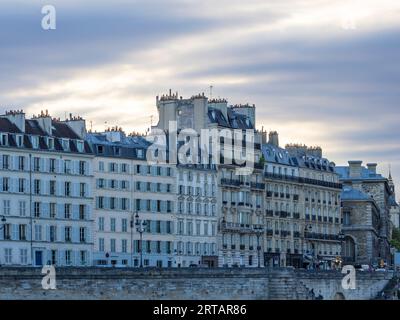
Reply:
x=320 y=72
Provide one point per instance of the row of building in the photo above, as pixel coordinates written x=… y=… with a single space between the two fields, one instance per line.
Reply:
x=69 y=197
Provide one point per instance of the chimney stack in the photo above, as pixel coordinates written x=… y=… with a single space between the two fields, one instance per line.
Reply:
x=372 y=168
x=274 y=138
x=355 y=168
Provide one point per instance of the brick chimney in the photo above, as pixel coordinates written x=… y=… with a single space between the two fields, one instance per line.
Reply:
x=372 y=168
x=355 y=168
x=17 y=117
x=273 y=138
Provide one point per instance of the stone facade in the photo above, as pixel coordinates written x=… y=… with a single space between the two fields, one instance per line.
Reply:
x=366 y=203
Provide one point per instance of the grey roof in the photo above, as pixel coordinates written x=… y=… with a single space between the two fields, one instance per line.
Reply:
x=126 y=148
x=274 y=154
x=366 y=174
x=314 y=163
x=235 y=120
x=349 y=193
x=59 y=130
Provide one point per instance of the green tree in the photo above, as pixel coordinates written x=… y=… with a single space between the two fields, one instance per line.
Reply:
x=395 y=242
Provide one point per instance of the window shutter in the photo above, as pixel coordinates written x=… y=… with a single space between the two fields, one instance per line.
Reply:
x=14 y=234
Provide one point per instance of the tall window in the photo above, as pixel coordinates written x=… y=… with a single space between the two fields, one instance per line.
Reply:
x=82 y=234
x=21 y=163
x=22 y=208
x=36 y=209
x=346 y=218
x=6 y=207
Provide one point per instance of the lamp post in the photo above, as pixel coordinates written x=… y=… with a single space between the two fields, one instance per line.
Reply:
x=140 y=227
x=308 y=228
x=341 y=237
x=258 y=230
x=3 y=220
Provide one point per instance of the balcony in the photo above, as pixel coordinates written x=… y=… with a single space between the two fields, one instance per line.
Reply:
x=282 y=195
x=325 y=219
x=258 y=186
x=336 y=220
x=303 y=180
x=296 y=197
x=270 y=232
x=269 y=213
x=296 y=234
x=287 y=196
x=269 y=194
x=296 y=215
x=241 y=227
x=242 y=247
x=307 y=217
x=230 y=182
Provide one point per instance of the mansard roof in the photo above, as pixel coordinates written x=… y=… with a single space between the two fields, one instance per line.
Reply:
x=277 y=155
x=235 y=120
x=60 y=131
x=344 y=173
x=349 y=193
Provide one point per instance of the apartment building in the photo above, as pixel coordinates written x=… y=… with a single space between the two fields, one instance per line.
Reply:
x=196 y=216
x=45 y=191
x=134 y=203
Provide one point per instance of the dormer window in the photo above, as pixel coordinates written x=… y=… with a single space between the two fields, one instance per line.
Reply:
x=4 y=139
x=65 y=144
x=80 y=145
x=140 y=153
x=35 y=142
x=19 y=140
x=50 y=143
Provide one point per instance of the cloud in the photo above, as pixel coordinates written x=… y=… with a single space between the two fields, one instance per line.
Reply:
x=320 y=72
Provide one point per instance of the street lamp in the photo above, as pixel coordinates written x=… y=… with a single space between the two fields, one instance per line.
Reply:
x=258 y=230
x=140 y=227
x=3 y=220
x=308 y=228
x=341 y=237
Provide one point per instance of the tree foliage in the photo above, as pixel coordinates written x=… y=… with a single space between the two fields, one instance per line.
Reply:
x=395 y=242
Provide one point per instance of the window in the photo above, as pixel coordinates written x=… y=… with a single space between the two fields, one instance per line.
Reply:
x=112 y=224
x=65 y=144
x=82 y=168
x=22 y=231
x=6 y=207
x=124 y=225
x=82 y=234
x=35 y=142
x=53 y=257
x=101 y=166
x=19 y=140
x=124 y=245
x=38 y=232
x=82 y=212
x=52 y=165
x=83 y=257
x=8 y=255
x=68 y=232
x=22 y=208
x=7 y=231
x=112 y=245
x=21 y=163
x=67 y=211
x=101 y=223
x=53 y=233
x=101 y=244
x=80 y=145
x=50 y=143
x=67 y=189
x=124 y=168
x=23 y=256
x=52 y=187
x=36 y=164
x=6 y=184
x=37 y=209
x=346 y=218
x=67 y=166
x=68 y=260
x=82 y=190
x=6 y=161
x=36 y=186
